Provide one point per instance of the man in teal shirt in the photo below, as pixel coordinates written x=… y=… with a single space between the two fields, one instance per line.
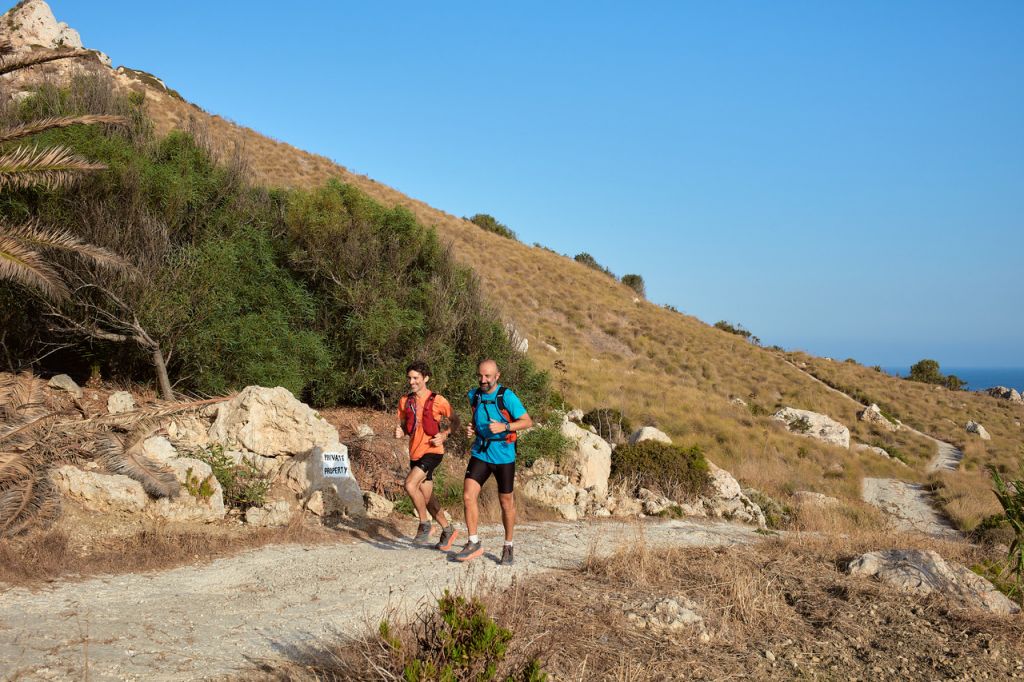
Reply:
x=497 y=415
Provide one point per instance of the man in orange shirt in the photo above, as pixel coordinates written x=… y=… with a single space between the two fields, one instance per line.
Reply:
x=425 y=417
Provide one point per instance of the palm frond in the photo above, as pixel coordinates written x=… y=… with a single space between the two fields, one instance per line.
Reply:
x=20 y=264
x=19 y=395
x=35 y=127
x=157 y=480
x=31 y=502
x=50 y=167
x=25 y=61
x=33 y=235
x=15 y=466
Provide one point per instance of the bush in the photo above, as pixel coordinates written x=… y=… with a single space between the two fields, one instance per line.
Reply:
x=927 y=371
x=636 y=283
x=610 y=423
x=244 y=484
x=591 y=262
x=670 y=469
x=738 y=330
x=541 y=442
x=459 y=642
x=490 y=224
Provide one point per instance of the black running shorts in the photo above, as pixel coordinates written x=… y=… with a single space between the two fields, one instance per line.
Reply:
x=428 y=463
x=504 y=474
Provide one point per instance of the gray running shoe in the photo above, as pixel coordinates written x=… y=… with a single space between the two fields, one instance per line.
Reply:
x=506 y=556
x=423 y=534
x=448 y=536
x=471 y=551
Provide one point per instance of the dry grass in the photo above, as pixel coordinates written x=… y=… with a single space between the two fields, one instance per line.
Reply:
x=788 y=596
x=965 y=496
x=79 y=547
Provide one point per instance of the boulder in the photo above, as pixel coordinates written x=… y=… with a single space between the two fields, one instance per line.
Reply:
x=653 y=503
x=737 y=401
x=814 y=425
x=159 y=449
x=872 y=414
x=725 y=499
x=574 y=416
x=188 y=433
x=33 y=23
x=315 y=504
x=975 y=427
x=268 y=466
x=881 y=452
x=377 y=506
x=201 y=498
x=550 y=490
x=925 y=571
x=65 y=383
x=517 y=338
x=589 y=460
x=624 y=506
x=100 y=492
x=271 y=423
x=119 y=402
x=270 y=515
x=318 y=471
x=1005 y=393
x=806 y=498
x=649 y=433
x=542 y=466
x=363 y=431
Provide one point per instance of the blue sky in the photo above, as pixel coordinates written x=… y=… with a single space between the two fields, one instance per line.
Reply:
x=846 y=178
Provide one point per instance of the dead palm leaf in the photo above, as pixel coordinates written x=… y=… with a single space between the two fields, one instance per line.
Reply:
x=32 y=234
x=35 y=127
x=23 y=62
x=33 y=501
x=19 y=392
x=15 y=466
x=157 y=480
x=51 y=167
x=22 y=265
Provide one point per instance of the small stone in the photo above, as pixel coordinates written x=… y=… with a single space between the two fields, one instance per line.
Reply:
x=769 y=655
x=120 y=402
x=66 y=383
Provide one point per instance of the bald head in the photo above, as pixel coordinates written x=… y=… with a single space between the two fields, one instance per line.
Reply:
x=487 y=375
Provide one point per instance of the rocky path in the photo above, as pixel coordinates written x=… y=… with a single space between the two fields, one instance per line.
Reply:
x=909 y=504
x=211 y=621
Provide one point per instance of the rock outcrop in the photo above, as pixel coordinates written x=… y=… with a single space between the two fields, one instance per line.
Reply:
x=727 y=500
x=872 y=414
x=271 y=423
x=377 y=506
x=814 y=425
x=589 y=460
x=649 y=433
x=98 y=492
x=120 y=402
x=1005 y=393
x=976 y=428
x=33 y=23
x=925 y=572
x=668 y=616
x=270 y=515
x=65 y=383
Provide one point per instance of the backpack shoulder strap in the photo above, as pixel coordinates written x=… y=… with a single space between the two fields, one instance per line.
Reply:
x=500 y=400
x=475 y=400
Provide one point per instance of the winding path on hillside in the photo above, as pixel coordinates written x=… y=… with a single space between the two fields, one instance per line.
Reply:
x=211 y=621
x=909 y=504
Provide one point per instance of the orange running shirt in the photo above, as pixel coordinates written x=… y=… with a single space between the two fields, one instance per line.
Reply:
x=419 y=442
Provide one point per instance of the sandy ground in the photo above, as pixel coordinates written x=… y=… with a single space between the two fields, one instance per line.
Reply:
x=908 y=505
x=211 y=621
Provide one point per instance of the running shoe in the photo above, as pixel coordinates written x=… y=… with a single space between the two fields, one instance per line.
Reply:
x=471 y=551
x=506 y=556
x=423 y=534
x=448 y=536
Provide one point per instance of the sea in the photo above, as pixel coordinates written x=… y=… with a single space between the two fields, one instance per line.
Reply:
x=977 y=378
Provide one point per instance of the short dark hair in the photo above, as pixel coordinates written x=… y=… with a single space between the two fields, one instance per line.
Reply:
x=419 y=366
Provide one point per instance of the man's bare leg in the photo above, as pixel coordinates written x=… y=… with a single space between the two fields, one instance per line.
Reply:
x=413 y=483
x=470 y=500
x=508 y=513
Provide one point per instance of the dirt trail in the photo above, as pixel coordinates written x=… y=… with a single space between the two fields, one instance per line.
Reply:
x=909 y=504
x=210 y=621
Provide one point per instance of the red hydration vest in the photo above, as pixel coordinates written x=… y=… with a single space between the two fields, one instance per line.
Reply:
x=430 y=425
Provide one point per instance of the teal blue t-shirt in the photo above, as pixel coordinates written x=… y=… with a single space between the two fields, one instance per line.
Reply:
x=491 y=447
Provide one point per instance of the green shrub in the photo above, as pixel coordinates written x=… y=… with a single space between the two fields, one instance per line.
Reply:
x=636 y=283
x=738 y=329
x=243 y=483
x=541 y=442
x=927 y=371
x=460 y=642
x=672 y=469
x=591 y=262
x=490 y=224
x=610 y=424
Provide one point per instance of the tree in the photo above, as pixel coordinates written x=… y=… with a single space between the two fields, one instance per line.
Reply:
x=926 y=371
x=636 y=283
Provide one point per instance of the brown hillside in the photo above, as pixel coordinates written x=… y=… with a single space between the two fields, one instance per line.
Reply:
x=603 y=347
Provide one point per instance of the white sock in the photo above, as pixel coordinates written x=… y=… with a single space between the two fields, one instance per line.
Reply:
x=508 y=543
x=474 y=538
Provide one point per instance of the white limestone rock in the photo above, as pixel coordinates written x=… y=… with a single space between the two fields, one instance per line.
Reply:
x=807 y=498
x=589 y=460
x=119 y=402
x=976 y=428
x=872 y=414
x=726 y=499
x=649 y=433
x=377 y=506
x=270 y=515
x=204 y=504
x=105 y=493
x=1004 y=393
x=925 y=571
x=271 y=423
x=305 y=476
x=65 y=383
x=814 y=425
x=33 y=23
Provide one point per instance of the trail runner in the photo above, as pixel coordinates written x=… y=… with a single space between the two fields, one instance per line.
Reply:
x=497 y=415
x=425 y=417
